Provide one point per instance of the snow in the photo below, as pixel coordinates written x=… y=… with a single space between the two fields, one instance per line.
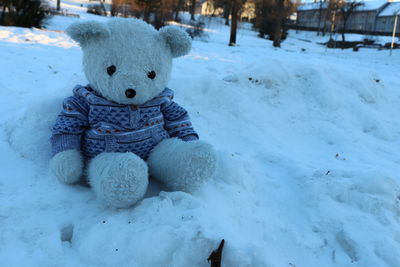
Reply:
x=306 y=36
x=308 y=141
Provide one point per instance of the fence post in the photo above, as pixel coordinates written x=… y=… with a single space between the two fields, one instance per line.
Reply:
x=394 y=32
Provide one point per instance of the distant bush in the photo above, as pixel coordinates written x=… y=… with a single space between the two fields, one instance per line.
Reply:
x=368 y=41
x=272 y=19
x=23 y=13
x=95 y=9
x=343 y=45
x=268 y=29
x=388 y=45
x=196 y=30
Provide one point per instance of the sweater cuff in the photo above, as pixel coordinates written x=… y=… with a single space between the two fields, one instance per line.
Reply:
x=63 y=142
x=190 y=137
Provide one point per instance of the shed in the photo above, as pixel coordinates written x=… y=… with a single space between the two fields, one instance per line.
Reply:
x=386 y=18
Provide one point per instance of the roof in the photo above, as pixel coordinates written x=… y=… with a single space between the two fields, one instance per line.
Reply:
x=311 y=6
x=392 y=8
x=371 y=5
x=367 y=5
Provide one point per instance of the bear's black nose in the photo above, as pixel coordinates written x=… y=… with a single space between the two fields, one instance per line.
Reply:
x=130 y=93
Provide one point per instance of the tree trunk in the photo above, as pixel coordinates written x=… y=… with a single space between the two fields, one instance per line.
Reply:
x=192 y=9
x=146 y=16
x=114 y=7
x=345 y=16
x=158 y=20
x=319 y=17
x=278 y=24
x=235 y=7
x=58 y=5
x=343 y=37
x=325 y=26
x=178 y=8
x=343 y=31
x=227 y=11
x=103 y=7
x=3 y=14
x=277 y=34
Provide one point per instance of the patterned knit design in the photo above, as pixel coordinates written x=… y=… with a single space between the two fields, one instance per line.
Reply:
x=109 y=114
x=69 y=125
x=177 y=121
x=73 y=117
x=92 y=124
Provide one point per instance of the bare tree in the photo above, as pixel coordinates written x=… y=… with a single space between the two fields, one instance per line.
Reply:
x=103 y=7
x=232 y=38
x=333 y=6
x=178 y=8
x=148 y=7
x=278 y=25
x=325 y=19
x=236 y=8
x=346 y=9
x=192 y=9
x=163 y=13
x=321 y=7
x=226 y=6
x=156 y=12
x=115 y=6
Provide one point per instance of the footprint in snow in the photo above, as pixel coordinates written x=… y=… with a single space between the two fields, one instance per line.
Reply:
x=67 y=233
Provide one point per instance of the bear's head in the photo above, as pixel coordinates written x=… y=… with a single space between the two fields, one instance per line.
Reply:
x=126 y=60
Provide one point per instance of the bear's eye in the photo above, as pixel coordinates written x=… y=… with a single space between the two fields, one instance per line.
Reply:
x=111 y=70
x=151 y=74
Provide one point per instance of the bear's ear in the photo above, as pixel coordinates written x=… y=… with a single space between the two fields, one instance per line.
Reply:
x=82 y=32
x=178 y=40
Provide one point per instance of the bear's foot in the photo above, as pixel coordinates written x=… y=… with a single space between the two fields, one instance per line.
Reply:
x=182 y=166
x=118 y=179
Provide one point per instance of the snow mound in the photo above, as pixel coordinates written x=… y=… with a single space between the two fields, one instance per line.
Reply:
x=308 y=176
x=30 y=134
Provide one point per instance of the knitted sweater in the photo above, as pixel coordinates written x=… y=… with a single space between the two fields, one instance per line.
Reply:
x=92 y=124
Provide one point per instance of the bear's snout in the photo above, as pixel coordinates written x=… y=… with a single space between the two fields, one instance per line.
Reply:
x=130 y=93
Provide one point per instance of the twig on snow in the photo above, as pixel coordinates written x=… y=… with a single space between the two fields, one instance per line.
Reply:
x=216 y=256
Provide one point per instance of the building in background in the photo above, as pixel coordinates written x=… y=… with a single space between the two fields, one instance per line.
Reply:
x=386 y=18
x=363 y=19
x=371 y=17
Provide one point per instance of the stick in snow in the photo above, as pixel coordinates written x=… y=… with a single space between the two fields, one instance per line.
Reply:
x=216 y=256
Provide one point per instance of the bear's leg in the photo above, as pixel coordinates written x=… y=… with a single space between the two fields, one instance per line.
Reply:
x=118 y=179
x=182 y=166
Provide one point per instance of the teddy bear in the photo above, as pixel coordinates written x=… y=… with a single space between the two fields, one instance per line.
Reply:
x=124 y=127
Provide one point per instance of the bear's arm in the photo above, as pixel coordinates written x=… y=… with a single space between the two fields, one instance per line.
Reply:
x=70 y=124
x=177 y=122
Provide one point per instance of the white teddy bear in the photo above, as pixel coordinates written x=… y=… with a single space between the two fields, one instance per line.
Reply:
x=126 y=115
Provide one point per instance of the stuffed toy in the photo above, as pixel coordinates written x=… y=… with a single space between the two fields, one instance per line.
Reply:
x=124 y=125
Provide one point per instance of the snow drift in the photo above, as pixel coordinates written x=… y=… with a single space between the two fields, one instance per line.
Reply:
x=309 y=172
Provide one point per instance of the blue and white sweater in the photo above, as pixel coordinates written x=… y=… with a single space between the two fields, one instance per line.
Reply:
x=93 y=125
